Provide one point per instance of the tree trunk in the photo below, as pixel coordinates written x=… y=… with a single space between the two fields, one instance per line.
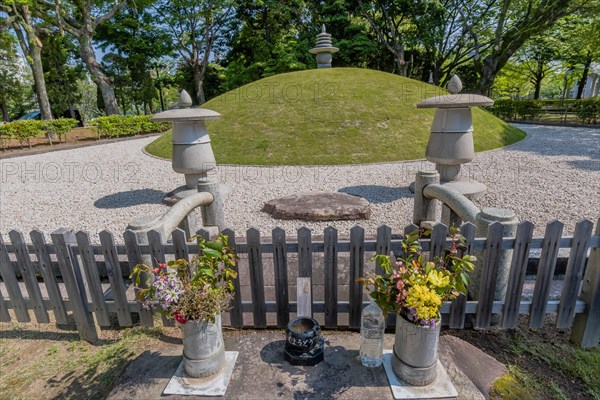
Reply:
x=538 y=89
x=40 y=84
x=199 y=84
x=538 y=77
x=72 y=111
x=96 y=71
x=584 y=76
x=5 y=116
x=32 y=47
x=486 y=81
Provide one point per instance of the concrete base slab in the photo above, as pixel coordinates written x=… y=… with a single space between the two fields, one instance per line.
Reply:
x=216 y=385
x=481 y=369
x=262 y=372
x=441 y=388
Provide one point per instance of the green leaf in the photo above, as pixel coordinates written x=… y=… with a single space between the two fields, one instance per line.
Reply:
x=207 y=272
x=211 y=252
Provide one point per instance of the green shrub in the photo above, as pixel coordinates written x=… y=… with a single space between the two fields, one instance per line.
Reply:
x=529 y=110
x=149 y=126
x=504 y=108
x=588 y=110
x=60 y=126
x=5 y=135
x=118 y=125
x=24 y=130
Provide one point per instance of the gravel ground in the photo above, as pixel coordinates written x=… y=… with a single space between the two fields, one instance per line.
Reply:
x=553 y=174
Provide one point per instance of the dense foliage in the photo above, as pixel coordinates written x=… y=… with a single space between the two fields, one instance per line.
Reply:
x=151 y=49
x=199 y=290
x=119 y=126
x=414 y=287
x=586 y=110
x=25 y=130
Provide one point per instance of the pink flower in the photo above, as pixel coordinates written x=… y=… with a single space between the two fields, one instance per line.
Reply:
x=180 y=318
x=162 y=265
x=400 y=285
x=155 y=270
x=398 y=263
x=453 y=248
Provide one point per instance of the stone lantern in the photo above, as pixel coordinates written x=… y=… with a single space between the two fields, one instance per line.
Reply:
x=324 y=49
x=451 y=140
x=192 y=153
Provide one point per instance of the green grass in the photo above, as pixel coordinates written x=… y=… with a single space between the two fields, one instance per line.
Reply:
x=69 y=369
x=547 y=367
x=330 y=117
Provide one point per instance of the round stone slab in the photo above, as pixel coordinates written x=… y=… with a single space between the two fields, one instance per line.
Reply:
x=319 y=206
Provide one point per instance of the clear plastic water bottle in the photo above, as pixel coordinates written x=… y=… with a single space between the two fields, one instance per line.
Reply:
x=372 y=328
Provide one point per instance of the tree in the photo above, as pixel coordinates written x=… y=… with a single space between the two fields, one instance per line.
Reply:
x=27 y=30
x=62 y=73
x=350 y=32
x=393 y=23
x=133 y=39
x=197 y=31
x=512 y=81
x=268 y=37
x=13 y=80
x=537 y=56
x=580 y=37
x=515 y=22
x=446 y=33
x=81 y=19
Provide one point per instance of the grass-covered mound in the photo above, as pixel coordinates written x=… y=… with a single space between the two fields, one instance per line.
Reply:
x=330 y=116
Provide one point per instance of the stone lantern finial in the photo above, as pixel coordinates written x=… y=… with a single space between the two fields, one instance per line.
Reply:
x=185 y=100
x=454 y=85
x=324 y=49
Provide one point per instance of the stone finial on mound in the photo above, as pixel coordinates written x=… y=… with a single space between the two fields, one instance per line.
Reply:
x=324 y=49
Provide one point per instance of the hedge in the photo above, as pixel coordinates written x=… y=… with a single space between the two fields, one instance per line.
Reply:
x=112 y=126
x=118 y=126
x=526 y=110
x=587 y=110
x=25 y=130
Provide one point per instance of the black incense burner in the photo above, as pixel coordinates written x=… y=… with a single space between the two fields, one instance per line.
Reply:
x=304 y=344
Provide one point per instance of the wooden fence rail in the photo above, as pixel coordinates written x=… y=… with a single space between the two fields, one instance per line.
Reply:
x=64 y=276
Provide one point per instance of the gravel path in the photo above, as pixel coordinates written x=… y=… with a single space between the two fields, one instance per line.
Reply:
x=553 y=174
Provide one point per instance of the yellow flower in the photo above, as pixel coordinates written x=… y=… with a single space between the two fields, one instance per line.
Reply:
x=437 y=278
x=424 y=301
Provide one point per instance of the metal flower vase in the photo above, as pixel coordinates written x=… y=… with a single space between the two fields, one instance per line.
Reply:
x=415 y=352
x=203 y=349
